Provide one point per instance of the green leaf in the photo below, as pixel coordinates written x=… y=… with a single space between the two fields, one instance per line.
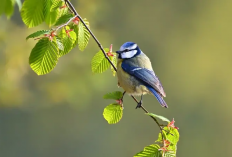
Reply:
x=51 y=19
x=59 y=43
x=63 y=19
x=170 y=154
x=150 y=151
x=113 y=113
x=44 y=56
x=46 y=11
x=56 y=4
x=172 y=150
x=68 y=43
x=49 y=13
x=73 y=36
x=7 y=7
x=114 y=95
x=171 y=135
x=63 y=11
x=75 y=29
x=114 y=61
x=32 y=12
x=38 y=33
x=99 y=63
x=158 y=116
x=82 y=35
x=67 y=40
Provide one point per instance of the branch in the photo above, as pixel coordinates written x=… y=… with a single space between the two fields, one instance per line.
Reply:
x=99 y=45
x=66 y=23
x=103 y=51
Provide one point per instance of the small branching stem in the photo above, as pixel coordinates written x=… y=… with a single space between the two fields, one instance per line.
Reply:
x=105 y=54
x=61 y=26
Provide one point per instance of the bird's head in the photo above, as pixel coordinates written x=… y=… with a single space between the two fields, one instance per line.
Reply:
x=128 y=50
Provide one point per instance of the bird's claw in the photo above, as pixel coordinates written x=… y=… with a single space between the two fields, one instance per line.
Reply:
x=139 y=104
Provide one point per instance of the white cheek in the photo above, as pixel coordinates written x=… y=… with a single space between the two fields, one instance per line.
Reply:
x=129 y=54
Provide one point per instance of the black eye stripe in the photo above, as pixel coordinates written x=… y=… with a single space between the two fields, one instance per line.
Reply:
x=127 y=50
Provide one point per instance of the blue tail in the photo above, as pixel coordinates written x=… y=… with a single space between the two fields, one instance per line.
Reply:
x=158 y=97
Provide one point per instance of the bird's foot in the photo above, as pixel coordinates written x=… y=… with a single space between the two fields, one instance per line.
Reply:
x=139 y=104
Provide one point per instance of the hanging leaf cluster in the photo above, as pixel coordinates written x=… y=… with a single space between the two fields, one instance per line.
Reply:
x=165 y=145
x=67 y=32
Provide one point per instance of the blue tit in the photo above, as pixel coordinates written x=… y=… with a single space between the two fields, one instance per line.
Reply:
x=135 y=74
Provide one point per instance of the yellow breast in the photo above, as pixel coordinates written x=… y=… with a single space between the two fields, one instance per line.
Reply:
x=123 y=77
x=130 y=84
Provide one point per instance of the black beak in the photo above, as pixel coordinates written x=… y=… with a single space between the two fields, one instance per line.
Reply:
x=118 y=52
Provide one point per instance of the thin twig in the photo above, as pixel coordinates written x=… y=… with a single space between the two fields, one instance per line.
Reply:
x=65 y=24
x=145 y=110
x=103 y=51
x=68 y=7
x=99 y=45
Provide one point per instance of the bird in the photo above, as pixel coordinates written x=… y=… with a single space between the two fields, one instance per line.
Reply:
x=135 y=74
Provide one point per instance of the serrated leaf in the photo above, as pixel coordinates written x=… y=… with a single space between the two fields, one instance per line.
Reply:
x=171 y=147
x=158 y=116
x=113 y=113
x=174 y=138
x=63 y=19
x=38 y=33
x=63 y=11
x=67 y=40
x=150 y=151
x=171 y=135
x=56 y=4
x=75 y=29
x=46 y=11
x=44 y=56
x=73 y=36
x=99 y=63
x=114 y=95
x=82 y=35
x=68 y=43
x=172 y=150
x=114 y=61
x=50 y=15
x=32 y=12
x=169 y=154
x=59 y=43
x=51 y=18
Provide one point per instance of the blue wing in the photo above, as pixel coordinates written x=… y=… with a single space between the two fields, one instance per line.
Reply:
x=158 y=97
x=148 y=78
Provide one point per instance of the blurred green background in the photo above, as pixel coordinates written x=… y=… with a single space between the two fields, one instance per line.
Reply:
x=60 y=114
